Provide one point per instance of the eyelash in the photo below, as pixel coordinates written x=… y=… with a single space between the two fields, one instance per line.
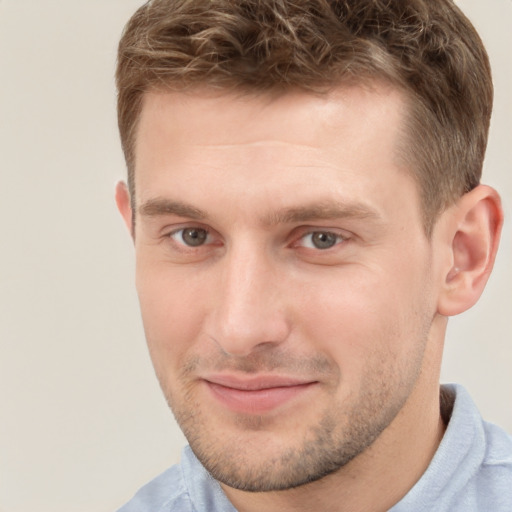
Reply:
x=338 y=239
x=182 y=244
x=299 y=242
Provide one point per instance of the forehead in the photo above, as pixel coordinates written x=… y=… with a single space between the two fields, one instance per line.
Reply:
x=268 y=146
x=249 y=117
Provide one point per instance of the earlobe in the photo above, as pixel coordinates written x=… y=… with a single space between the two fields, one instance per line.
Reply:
x=474 y=230
x=123 y=202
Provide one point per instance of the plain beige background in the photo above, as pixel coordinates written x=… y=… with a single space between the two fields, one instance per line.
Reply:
x=82 y=420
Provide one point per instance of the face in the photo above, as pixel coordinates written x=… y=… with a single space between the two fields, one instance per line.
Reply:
x=284 y=276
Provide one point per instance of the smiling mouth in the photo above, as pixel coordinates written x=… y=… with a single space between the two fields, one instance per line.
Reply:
x=256 y=395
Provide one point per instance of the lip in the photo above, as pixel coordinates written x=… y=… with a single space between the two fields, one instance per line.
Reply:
x=257 y=394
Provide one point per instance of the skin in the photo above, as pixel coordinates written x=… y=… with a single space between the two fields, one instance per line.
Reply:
x=357 y=327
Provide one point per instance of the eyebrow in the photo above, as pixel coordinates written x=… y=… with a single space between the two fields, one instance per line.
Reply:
x=323 y=211
x=160 y=206
x=313 y=212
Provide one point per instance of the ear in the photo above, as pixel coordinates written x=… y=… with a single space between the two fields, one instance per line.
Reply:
x=473 y=229
x=124 y=205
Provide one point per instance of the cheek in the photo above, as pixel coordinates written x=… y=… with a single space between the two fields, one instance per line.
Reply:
x=171 y=312
x=359 y=316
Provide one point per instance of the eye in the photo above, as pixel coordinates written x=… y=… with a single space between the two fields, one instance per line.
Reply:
x=320 y=240
x=191 y=237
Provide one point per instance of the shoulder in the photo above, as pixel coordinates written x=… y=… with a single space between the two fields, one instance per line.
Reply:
x=495 y=475
x=165 y=493
x=186 y=487
x=499 y=446
x=472 y=468
x=487 y=463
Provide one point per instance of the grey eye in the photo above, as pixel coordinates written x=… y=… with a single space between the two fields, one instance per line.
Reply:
x=323 y=239
x=194 y=237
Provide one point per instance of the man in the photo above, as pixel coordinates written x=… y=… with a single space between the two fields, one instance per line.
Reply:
x=305 y=201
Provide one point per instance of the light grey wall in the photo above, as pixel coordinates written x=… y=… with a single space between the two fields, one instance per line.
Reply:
x=82 y=421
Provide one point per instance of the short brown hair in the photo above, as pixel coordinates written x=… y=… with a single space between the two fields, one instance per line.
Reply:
x=427 y=48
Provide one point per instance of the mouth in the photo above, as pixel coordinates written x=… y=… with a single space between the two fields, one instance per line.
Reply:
x=256 y=395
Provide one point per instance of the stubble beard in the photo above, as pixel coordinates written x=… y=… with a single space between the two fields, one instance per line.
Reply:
x=337 y=437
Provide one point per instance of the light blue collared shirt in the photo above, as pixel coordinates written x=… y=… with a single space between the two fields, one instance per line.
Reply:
x=470 y=472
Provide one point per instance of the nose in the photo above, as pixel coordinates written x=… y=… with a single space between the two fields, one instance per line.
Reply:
x=249 y=311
